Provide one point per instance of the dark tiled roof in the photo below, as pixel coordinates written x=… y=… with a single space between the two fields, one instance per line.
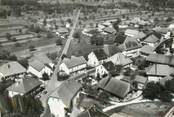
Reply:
x=161 y=59
x=116 y=87
x=36 y=64
x=100 y=54
x=137 y=78
x=25 y=85
x=151 y=39
x=67 y=91
x=160 y=70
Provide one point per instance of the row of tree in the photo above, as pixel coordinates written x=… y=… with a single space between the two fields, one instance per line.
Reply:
x=158 y=91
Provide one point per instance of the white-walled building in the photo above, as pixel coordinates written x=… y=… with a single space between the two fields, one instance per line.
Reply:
x=38 y=68
x=73 y=65
x=11 y=69
x=24 y=86
x=96 y=57
x=130 y=47
x=63 y=98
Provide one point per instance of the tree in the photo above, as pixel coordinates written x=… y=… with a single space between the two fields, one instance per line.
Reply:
x=8 y=36
x=166 y=96
x=45 y=76
x=32 y=48
x=77 y=34
x=50 y=35
x=169 y=19
x=97 y=40
x=58 y=42
x=45 y=22
x=170 y=85
x=140 y=62
x=25 y=106
x=153 y=90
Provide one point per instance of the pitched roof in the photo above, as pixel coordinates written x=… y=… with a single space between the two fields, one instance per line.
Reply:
x=131 y=32
x=161 y=59
x=25 y=85
x=140 y=35
x=147 y=49
x=130 y=44
x=116 y=87
x=109 y=30
x=159 y=70
x=111 y=49
x=151 y=39
x=92 y=112
x=66 y=91
x=100 y=54
x=120 y=59
x=137 y=78
x=11 y=68
x=36 y=64
x=74 y=61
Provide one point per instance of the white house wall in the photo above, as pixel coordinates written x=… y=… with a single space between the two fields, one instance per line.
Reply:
x=12 y=94
x=77 y=68
x=100 y=70
x=56 y=107
x=92 y=60
x=47 y=70
x=64 y=68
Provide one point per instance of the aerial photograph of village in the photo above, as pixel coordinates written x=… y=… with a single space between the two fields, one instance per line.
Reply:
x=86 y=58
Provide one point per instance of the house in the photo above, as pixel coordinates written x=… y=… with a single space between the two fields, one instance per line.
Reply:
x=109 y=30
x=140 y=80
x=161 y=59
x=147 y=50
x=107 y=68
x=24 y=86
x=38 y=68
x=73 y=65
x=96 y=57
x=115 y=87
x=151 y=40
x=11 y=69
x=62 y=31
x=131 y=32
x=62 y=98
x=130 y=47
x=158 y=71
x=120 y=59
x=92 y=112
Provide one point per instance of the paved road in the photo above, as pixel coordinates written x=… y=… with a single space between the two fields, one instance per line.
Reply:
x=53 y=84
